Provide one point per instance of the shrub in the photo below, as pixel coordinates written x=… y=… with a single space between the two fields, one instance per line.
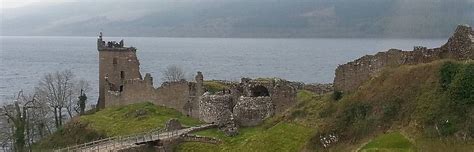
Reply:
x=354 y=112
x=390 y=110
x=327 y=111
x=447 y=72
x=336 y=95
x=462 y=88
x=446 y=128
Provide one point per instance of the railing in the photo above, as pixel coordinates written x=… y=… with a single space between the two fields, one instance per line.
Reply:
x=121 y=142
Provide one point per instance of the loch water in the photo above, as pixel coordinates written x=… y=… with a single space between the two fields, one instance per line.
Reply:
x=24 y=60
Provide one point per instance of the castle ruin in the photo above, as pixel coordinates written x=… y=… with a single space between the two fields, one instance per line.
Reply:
x=352 y=75
x=246 y=103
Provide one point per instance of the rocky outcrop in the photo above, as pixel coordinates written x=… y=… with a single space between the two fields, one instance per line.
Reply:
x=352 y=75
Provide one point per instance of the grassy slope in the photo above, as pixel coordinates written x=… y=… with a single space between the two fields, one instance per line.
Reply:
x=113 y=121
x=407 y=99
x=214 y=86
x=134 y=118
x=389 y=142
x=411 y=99
x=280 y=137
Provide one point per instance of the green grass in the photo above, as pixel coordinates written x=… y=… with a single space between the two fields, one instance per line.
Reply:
x=134 y=118
x=197 y=147
x=214 y=86
x=390 y=142
x=281 y=137
x=113 y=121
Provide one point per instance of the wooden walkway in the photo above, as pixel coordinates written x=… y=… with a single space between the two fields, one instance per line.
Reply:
x=123 y=142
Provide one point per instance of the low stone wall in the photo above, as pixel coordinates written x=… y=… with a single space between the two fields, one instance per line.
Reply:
x=251 y=111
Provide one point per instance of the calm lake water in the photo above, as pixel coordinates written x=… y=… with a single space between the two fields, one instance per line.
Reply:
x=24 y=60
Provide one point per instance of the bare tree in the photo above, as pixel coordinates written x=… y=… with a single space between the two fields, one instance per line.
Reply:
x=173 y=73
x=57 y=89
x=17 y=113
x=33 y=116
x=5 y=132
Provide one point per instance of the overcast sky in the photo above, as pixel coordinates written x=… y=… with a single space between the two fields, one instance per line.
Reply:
x=236 y=18
x=21 y=3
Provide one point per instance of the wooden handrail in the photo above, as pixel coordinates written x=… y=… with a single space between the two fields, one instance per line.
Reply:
x=133 y=137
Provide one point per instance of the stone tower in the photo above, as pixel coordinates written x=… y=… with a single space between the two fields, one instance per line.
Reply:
x=116 y=64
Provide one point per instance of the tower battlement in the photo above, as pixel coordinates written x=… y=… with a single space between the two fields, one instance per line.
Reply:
x=112 y=45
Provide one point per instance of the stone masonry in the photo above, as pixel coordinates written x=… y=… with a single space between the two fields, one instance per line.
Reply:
x=120 y=82
x=246 y=103
x=352 y=75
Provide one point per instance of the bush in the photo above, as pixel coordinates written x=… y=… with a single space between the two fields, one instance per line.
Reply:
x=446 y=128
x=447 y=72
x=336 y=95
x=327 y=111
x=390 y=110
x=353 y=113
x=462 y=88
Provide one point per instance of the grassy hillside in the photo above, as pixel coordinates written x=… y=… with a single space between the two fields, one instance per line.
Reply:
x=282 y=136
x=134 y=118
x=426 y=107
x=426 y=101
x=389 y=142
x=114 y=121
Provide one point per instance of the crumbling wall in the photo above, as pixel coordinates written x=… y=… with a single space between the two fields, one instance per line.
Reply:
x=281 y=92
x=352 y=75
x=173 y=95
x=215 y=108
x=134 y=91
x=251 y=111
x=182 y=96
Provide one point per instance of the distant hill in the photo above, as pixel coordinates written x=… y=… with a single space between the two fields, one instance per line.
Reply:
x=242 y=18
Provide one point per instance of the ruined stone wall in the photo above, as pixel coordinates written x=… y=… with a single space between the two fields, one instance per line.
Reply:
x=283 y=97
x=176 y=96
x=134 y=91
x=173 y=95
x=351 y=75
x=215 y=108
x=281 y=92
x=251 y=111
